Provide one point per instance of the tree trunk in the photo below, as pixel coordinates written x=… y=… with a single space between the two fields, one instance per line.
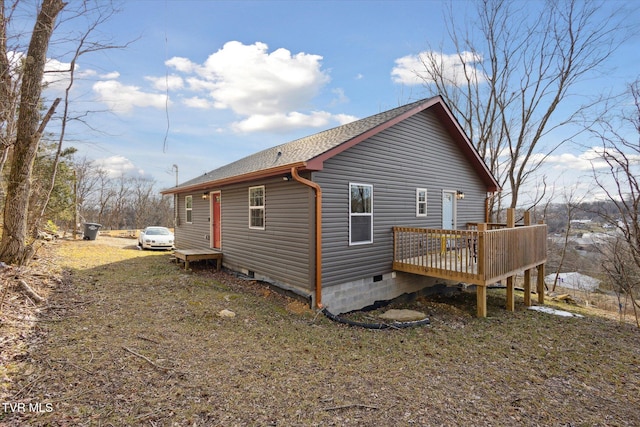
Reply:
x=12 y=245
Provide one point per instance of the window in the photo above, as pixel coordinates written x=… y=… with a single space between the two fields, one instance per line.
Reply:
x=256 y=207
x=360 y=214
x=421 y=202
x=188 y=207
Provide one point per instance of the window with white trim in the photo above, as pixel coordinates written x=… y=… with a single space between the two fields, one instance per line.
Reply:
x=256 y=207
x=421 y=202
x=360 y=214
x=188 y=209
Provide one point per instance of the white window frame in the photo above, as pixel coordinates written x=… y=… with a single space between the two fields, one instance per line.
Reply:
x=260 y=208
x=421 y=202
x=360 y=214
x=188 y=209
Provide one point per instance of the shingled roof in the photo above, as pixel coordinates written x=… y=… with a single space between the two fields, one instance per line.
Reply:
x=309 y=153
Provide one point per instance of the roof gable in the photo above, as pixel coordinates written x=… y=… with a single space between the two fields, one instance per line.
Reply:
x=309 y=153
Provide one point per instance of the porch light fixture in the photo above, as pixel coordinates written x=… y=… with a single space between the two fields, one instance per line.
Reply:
x=459 y=194
x=287 y=177
x=205 y=196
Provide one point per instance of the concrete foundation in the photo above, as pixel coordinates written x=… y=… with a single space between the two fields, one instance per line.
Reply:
x=362 y=293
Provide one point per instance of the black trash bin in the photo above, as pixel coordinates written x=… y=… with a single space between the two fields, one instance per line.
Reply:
x=91 y=231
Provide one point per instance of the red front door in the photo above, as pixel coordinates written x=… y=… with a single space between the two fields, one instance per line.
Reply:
x=216 y=223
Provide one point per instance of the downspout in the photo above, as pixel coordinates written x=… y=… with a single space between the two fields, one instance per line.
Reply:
x=318 y=191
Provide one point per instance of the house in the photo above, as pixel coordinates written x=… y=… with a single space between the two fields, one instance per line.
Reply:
x=573 y=280
x=316 y=216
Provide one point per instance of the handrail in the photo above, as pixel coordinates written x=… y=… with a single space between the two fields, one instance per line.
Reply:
x=472 y=256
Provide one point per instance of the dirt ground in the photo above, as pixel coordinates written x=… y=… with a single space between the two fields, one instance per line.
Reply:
x=127 y=337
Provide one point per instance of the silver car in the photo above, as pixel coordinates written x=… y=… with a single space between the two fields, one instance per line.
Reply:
x=156 y=238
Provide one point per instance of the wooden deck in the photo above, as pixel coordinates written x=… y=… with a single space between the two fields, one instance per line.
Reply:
x=188 y=255
x=481 y=256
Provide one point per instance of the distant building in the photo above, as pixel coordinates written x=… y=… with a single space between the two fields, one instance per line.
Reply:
x=574 y=280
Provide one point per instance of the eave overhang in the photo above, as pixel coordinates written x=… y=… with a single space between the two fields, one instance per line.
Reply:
x=436 y=104
x=446 y=118
x=260 y=174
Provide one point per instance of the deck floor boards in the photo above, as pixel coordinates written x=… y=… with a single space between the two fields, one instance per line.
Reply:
x=188 y=255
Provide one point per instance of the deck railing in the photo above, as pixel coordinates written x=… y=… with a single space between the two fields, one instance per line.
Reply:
x=471 y=256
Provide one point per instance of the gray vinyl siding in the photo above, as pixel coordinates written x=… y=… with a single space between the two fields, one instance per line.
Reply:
x=195 y=235
x=284 y=250
x=416 y=153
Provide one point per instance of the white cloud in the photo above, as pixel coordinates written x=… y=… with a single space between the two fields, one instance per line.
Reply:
x=183 y=65
x=412 y=69
x=15 y=58
x=340 y=98
x=57 y=74
x=406 y=69
x=171 y=82
x=343 y=119
x=122 y=98
x=249 y=80
x=281 y=122
x=198 y=85
x=87 y=74
x=197 y=102
x=585 y=161
x=269 y=91
x=575 y=173
x=110 y=76
x=267 y=88
x=116 y=166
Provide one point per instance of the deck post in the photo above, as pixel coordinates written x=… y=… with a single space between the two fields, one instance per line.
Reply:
x=527 y=288
x=541 y=279
x=511 y=223
x=481 y=290
x=511 y=217
x=527 y=273
x=541 y=284
x=511 y=306
x=482 y=228
x=481 y=298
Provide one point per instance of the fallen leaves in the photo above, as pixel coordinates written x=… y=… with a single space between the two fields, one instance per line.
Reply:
x=131 y=339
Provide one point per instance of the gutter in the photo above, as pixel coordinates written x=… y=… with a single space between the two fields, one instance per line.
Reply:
x=235 y=179
x=318 y=191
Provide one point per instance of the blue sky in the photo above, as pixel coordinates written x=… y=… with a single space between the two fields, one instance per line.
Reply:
x=246 y=75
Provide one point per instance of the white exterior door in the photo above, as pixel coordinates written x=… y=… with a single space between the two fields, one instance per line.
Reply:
x=448 y=210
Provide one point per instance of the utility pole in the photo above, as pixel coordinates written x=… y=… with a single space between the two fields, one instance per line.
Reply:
x=75 y=205
x=175 y=200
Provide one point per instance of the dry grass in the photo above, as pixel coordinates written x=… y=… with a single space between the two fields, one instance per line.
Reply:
x=131 y=339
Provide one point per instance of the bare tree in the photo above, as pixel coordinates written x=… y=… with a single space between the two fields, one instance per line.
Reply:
x=29 y=130
x=572 y=205
x=143 y=199
x=515 y=68
x=10 y=78
x=85 y=44
x=88 y=179
x=21 y=125
x=106 y=194
x=620 y=183
x=122 y=202
x=624 y=274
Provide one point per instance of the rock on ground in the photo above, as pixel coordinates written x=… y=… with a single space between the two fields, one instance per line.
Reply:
x=403 y=315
